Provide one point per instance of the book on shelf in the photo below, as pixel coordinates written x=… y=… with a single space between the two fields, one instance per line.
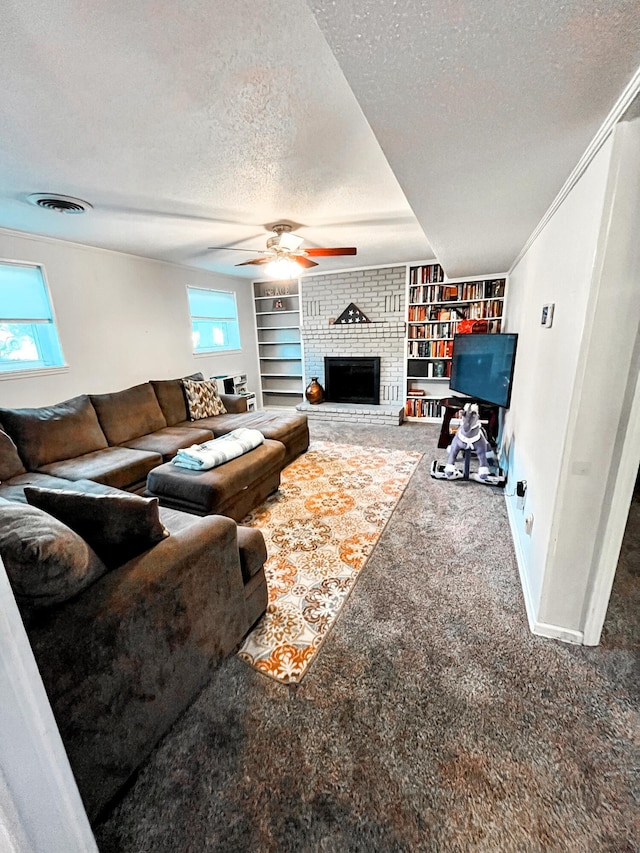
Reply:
x=417 y=331
x=426 y=273
x=449 y=293
x=417 y=348
x=417 y=313
x=495 y=289
x=437 y=314
x=423 y=408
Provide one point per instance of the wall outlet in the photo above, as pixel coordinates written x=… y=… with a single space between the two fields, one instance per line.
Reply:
x=546 y=318
x=528 y=524
x=521 y=493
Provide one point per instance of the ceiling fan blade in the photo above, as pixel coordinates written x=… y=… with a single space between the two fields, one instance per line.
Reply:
x=304 y=262
x=255 y=261
x=290 y=242
x=328 y=253
x=232 y=249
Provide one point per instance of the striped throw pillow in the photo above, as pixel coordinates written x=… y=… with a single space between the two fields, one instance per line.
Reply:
x=202 y=399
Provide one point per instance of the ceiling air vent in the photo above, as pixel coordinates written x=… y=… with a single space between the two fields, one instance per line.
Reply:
x=59 y=203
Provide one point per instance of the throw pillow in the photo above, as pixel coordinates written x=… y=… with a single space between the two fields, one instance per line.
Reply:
x=118 y=527
x=203 y=400
x=46 y=562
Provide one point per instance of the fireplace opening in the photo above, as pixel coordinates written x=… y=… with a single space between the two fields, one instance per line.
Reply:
x=352 y=380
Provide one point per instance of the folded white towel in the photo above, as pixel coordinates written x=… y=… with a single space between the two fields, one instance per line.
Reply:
x=210 y=454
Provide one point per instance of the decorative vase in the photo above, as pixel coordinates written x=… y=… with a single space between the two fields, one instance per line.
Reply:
x=314 y=391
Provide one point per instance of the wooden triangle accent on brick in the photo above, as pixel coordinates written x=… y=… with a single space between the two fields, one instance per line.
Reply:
x=352 y=314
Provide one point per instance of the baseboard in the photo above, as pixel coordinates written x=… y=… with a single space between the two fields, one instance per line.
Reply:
x=554 y=632
x=524 y=580
x=540 y=629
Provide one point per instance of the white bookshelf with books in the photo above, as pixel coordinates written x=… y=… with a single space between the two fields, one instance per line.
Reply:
x=437 y=309
x=277 y=313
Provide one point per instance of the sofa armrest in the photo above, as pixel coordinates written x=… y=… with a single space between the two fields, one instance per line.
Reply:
x=122 y=660
x=234 y=403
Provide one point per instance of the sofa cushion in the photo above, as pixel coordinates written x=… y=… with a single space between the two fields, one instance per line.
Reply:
x=10 y=462
x=13 y=489
x=46 y=561
x=117 y=526
x=202 y=399
x=51 y=433
x=120 y=467
x=253 y=551
x=175 y=520
x=170 y=394
x=275 y=425
x=168 y=440
x=128 y=414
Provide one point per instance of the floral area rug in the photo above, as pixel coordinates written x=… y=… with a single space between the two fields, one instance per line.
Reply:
x=320 y=528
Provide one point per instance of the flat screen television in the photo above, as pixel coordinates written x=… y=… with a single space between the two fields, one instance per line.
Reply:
x=482 y=367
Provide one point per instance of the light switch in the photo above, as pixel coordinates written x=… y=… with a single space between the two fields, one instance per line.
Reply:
x=546 y=319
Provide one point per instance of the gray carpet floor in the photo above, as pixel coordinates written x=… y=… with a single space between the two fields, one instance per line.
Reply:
x=431 y=719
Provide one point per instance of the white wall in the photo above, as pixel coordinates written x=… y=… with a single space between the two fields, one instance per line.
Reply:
x=568 y=381
x=121 y=320
x=591 y=481
x=40 y=807
x=557 y=268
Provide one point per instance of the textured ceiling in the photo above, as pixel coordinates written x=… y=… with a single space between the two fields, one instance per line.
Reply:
x=483 y=108
x=194 y=125
x=191 y=125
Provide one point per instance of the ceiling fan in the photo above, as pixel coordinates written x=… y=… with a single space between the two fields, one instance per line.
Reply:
x=284 y=257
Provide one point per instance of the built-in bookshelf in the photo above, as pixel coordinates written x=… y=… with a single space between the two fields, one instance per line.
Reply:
x=277 y=313
x=436 y=306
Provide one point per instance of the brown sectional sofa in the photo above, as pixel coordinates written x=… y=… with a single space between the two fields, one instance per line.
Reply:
x=123 y=658
x=289 y=428
x=117 y=439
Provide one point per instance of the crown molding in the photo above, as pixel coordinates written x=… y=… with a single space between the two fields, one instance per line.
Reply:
x=88 y=247
x=617 y=114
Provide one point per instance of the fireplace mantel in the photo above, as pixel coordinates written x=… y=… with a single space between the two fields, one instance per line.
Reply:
x=363 y=328
x=357 y=330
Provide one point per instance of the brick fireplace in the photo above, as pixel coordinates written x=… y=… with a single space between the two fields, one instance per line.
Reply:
x=352 y=380
x=379 y=294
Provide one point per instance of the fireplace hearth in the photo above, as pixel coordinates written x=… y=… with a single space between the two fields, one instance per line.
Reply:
x=352 y=380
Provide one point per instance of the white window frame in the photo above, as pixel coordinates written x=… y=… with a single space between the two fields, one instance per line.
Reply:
x=216 y=350
x=22 y=373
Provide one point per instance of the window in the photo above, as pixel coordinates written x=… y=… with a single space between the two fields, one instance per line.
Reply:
x=214 y=320
x=28 y=335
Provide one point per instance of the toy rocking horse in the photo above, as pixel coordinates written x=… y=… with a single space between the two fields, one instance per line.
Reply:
x=469 y=437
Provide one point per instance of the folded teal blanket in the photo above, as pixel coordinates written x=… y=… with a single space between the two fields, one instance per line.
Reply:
x=210 y=454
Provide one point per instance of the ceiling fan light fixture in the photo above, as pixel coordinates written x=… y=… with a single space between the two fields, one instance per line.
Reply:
x=283 y=268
